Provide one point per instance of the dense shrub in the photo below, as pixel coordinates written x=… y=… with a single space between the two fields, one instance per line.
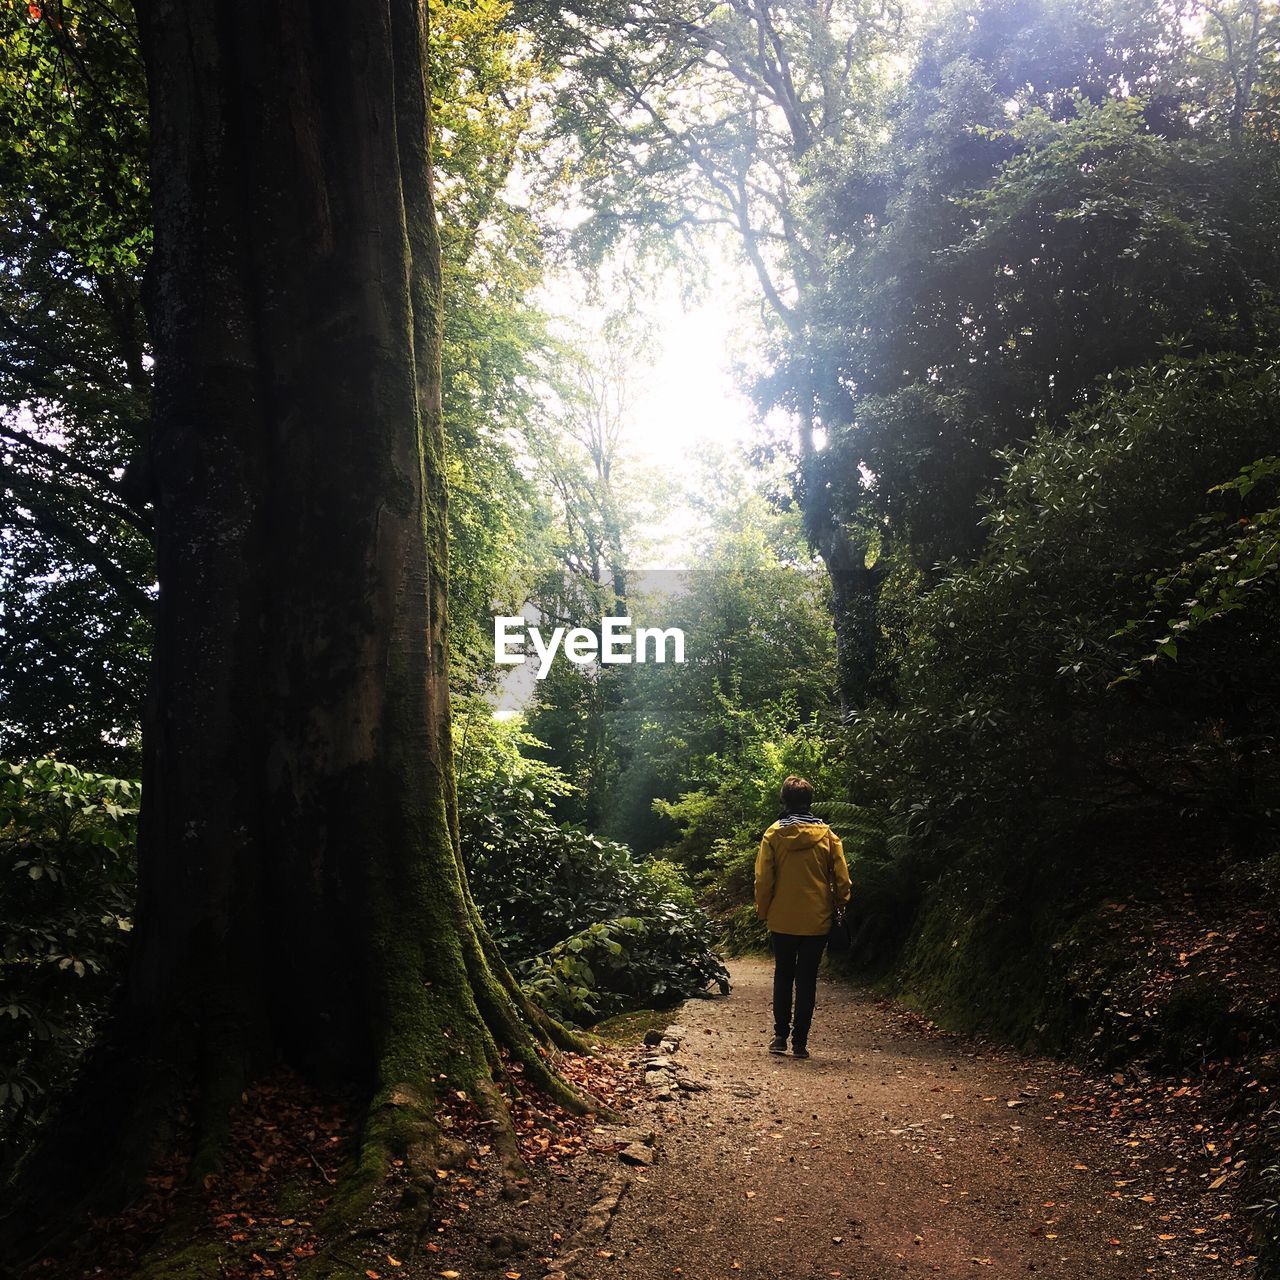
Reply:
x=744 y=931
x=1105 y=654
x=591 y=928
x=721 y=819
x=625 y=962
x=66 y=897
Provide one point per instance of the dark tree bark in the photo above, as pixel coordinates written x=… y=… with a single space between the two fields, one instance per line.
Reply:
x=855 y=589
x=301 y=894
x=854 y=597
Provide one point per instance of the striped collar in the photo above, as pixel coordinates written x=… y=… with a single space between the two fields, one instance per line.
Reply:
x=791 y=819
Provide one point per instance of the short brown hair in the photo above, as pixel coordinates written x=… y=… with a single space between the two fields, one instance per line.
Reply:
x=797 y=794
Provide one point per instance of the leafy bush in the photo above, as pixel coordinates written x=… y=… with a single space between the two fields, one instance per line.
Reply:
x=626 y=962
x=66 y=894
x=672 y=883
x=1232 y=565
x=1011 y=725
x=590 y=928
x=721 y=822
x=744 y=931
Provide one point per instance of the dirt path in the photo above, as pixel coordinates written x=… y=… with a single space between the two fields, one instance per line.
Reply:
x=891 y=1152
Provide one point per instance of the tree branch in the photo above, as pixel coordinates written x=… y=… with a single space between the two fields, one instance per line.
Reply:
x=54 y=525
x=61 y=459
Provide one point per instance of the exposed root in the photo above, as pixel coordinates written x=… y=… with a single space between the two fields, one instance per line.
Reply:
x=451 y=1019
x=511 y=1033
x=513 y=1022
x=503 y=1137
x=546 y=1028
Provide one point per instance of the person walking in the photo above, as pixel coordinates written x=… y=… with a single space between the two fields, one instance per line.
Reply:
x=801 y=878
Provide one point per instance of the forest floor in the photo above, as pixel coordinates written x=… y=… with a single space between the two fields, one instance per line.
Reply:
x=898 y=1149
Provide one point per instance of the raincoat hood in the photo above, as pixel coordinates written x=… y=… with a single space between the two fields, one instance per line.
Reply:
x=797 y=833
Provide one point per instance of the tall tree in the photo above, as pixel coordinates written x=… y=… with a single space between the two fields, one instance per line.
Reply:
x=301 y=892
x=77 y=566
x=694 y=116
x=599 y=498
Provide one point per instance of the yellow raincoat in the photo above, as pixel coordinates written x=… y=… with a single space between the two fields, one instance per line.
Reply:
x=796 y=865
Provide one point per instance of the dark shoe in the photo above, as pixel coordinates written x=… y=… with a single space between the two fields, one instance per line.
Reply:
x=778 y=1044
x=799 y=1051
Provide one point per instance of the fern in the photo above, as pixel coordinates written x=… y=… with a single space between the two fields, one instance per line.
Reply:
x=862 y=829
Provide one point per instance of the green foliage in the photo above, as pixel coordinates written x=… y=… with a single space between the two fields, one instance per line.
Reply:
x=862 y=830
x=1003 y=719
x=677 y=118
x=687 y=760
x=1027 y=293
x=1032 y=755
x=66 y=898
x=1232 y=566
x=712 y=739
x=672 y=882
x=591 y=928
x=76 y=562
x=600 y=498
x=498 y=356
x=625 y=962
x=721 y=822
x=1027 y=224
x=75 y=552
x=744 y=931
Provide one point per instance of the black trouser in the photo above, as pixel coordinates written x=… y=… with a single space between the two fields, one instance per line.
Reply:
x=795 y=964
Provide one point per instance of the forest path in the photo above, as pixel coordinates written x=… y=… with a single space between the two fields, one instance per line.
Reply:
x=892 y=1151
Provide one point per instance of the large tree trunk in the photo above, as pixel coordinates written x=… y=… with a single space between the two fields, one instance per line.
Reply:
x=296 y=829
x=301 y=895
